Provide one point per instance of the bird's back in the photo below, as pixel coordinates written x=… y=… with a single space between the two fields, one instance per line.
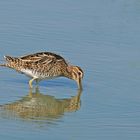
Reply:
x=40 y=65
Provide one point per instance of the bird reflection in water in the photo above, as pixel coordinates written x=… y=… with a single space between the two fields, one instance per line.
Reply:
x=39 y=106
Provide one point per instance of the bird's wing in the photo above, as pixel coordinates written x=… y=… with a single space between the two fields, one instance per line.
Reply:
x=43 y=59
x=32 y=58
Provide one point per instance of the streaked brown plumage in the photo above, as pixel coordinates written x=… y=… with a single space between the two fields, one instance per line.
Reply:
x=44 y=65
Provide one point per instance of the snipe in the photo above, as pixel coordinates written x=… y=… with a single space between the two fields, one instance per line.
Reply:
x=44 y=65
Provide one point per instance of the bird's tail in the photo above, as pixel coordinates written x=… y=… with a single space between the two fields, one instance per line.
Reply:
x=10 y=62
x=8 y=59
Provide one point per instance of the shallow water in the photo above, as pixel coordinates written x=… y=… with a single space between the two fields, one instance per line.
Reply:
x=100 y=36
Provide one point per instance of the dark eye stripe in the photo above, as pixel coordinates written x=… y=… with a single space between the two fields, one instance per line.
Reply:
x=80 y=69
x=75 y=74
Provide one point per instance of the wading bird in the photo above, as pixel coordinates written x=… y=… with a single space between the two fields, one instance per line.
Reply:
x=44 y=65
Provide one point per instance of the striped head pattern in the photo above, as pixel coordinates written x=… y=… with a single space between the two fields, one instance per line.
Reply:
x=77 y=74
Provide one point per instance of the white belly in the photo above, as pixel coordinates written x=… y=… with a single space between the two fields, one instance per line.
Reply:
x=37 y=75
x=30 y=73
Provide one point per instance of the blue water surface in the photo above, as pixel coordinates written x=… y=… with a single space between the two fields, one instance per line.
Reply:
x=103 y=38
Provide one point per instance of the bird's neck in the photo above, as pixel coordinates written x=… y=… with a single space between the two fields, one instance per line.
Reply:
x=68 y=72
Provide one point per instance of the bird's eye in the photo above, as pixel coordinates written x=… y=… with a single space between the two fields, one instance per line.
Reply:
x=79 y=73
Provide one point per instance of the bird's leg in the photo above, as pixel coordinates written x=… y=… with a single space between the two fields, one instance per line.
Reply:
x=37 y=90
x=30 y=82
x=37 y=81
x=30 y=93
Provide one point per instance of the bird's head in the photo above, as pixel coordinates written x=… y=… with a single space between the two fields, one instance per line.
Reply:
x=77 y=74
